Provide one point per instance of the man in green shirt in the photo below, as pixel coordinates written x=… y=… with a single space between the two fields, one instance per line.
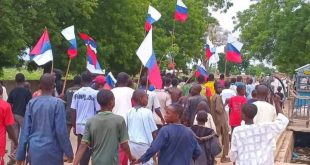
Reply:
x=104 y=132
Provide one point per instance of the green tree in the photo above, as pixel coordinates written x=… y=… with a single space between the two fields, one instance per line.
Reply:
x=278 y=31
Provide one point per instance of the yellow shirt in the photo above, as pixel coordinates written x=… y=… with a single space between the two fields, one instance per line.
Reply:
x=210 y=85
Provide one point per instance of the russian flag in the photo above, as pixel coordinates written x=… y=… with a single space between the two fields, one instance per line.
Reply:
x=89 y=41
x=92 y=62
x=152 y=16
x=208 y=51
x=69 y=35
x=42 y=51
x=201 y=71
x=181 y=12
x=233 y=54
x=110 y=79
x=147 y=56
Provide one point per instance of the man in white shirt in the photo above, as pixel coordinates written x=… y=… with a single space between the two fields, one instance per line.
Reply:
x=141 y=125
x=122 y=94
x=164 y=100
x=252 y=143
x=265 y=111
x=249 y=87
x=153 y=102
x=84 y=104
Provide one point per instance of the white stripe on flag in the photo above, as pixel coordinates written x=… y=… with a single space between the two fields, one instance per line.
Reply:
x=145 y=50
x=154 y=13
x=43 y=58
x=68 y=33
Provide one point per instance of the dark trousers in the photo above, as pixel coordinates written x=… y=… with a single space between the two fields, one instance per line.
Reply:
x=86 y=157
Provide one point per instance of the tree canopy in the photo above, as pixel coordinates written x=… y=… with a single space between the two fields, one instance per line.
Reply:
x=117 y=26
x=278 y=31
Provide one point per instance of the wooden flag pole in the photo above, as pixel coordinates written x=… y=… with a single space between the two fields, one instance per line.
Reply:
x=52 y=69
x=66 y=78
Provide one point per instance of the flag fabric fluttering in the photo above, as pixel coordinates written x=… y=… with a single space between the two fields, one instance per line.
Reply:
x=152 y=16
x=233 y=48
x=181 y=11
x=110 y=79
x=147 y=56
x=208 y=51
x=92 y=62
x=69 y=35
x=201 y=71
x=89 y=41
x=42 y=51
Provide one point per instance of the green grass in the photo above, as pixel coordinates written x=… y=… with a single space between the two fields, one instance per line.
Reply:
x=9 y=74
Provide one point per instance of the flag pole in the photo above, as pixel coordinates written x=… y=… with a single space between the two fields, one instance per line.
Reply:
x=66 y=78
x=172 y=36
x=52 y=67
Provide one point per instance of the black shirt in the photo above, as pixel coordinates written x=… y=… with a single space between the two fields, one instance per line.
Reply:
x=19 y=98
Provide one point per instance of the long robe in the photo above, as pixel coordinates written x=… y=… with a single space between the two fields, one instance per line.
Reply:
x=205 y=158
x=44 y=135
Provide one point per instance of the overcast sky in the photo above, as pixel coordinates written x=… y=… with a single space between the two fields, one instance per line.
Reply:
x=225 y=19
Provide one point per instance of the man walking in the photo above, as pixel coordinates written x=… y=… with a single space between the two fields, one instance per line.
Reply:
x=44 y=135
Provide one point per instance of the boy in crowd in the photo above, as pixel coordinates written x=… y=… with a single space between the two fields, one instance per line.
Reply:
x=252 y=143
x=44 y=134
x=84 y=105
x=68 y=98
x=6 y=125
x=235 y=104
x=141 y=125
x=104 y=132
x=18 y=98
x=281 y=95
x=175 y=143
x=219 y=115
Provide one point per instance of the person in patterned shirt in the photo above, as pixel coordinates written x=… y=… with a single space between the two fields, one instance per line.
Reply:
x=252 y=143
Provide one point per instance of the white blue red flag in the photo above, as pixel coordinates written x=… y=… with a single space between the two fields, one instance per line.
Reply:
x=147 y=56
x=110 y=79
x=233 y=48
x=93 y=65
x=42 y=51
x=89 y=41
x=201 y=71
x=69 y=35
x=181 y=11
x=152 y=16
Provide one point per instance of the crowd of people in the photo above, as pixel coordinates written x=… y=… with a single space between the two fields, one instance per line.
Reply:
x=187 y=122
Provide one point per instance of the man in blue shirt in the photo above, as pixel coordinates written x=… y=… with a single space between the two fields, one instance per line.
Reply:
x=176 y=143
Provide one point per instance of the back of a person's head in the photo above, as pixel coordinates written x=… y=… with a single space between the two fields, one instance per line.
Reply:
x=227 y=84
x=20 y=78
x=143 y=81
x=167 y=81
x=86 y=77
x=122 y=78
x=239 y=78
x=222 y=76
x=254 y=94
x=201 y=79
x=104 y=97
x=279 y=88
x=175 y=82
x=211 y=77
x=177 y=109
x=202 y=116
x=249 y=110
x=233 y=80
x=77 y=80
x=240 y=88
